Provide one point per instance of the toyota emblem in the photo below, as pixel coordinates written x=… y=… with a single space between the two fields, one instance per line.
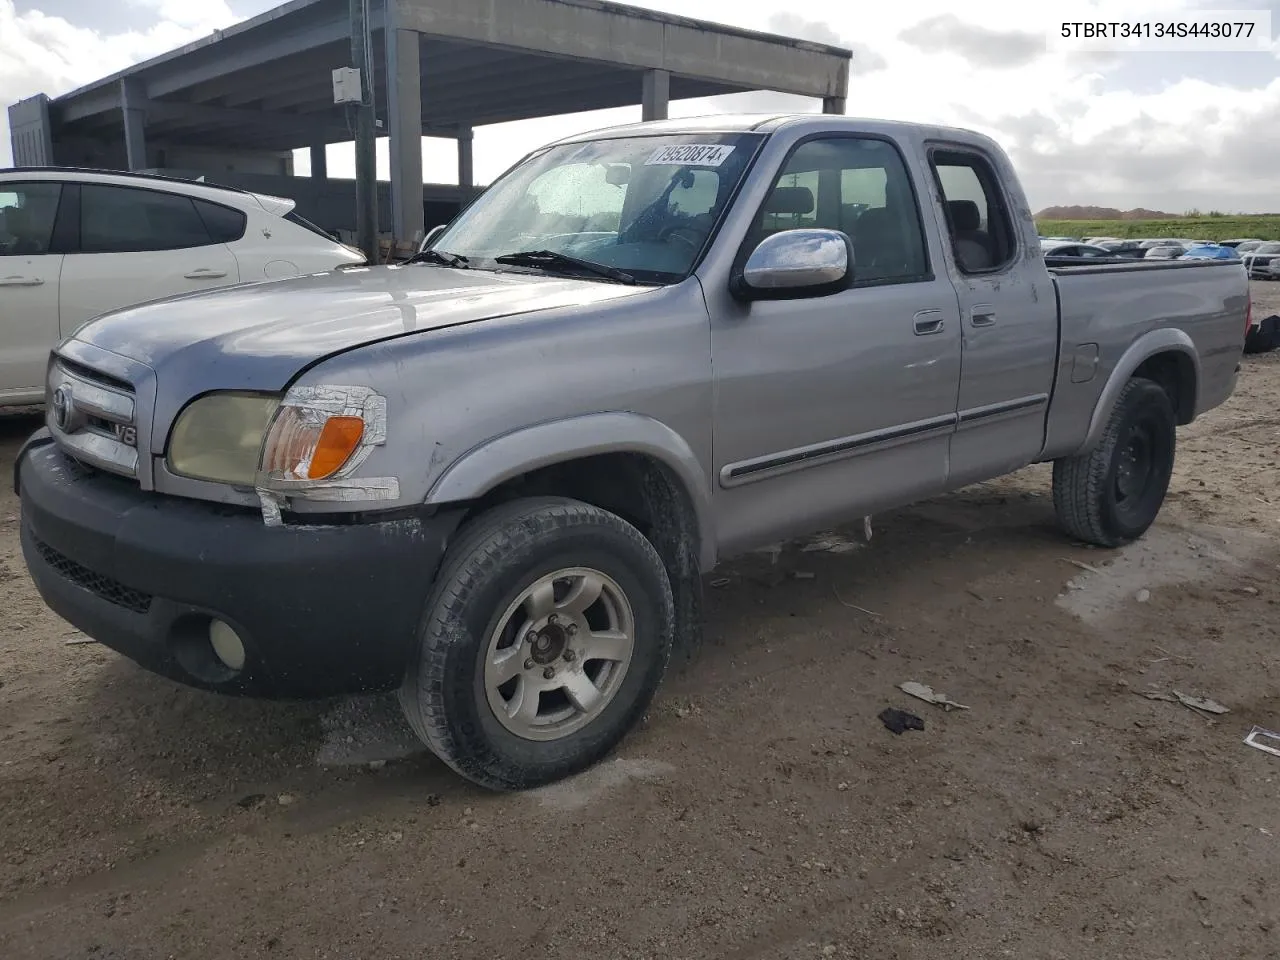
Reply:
x=62 y=406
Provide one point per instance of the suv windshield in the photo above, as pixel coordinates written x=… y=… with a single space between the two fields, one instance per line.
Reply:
x=642 y=205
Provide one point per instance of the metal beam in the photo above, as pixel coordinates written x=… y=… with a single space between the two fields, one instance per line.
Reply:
x=466 y=161
x=179 y=114
x=404 y=124
x=92 y=104
x=214 y=61
x=656 y=93
x=133 y=104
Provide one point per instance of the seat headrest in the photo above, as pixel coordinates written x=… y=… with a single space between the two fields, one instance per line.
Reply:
x=964 y=215
x=876 y=218
x=790 y=200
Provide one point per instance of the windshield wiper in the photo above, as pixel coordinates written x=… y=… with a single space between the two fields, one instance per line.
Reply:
x=439 y=256
x=550 y=259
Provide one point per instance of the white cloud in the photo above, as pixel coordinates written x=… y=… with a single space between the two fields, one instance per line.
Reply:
x=1074 y=130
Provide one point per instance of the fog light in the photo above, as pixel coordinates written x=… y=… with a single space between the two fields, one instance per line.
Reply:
x=226 y=644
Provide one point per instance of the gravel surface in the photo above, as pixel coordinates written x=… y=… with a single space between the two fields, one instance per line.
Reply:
x=762 y=810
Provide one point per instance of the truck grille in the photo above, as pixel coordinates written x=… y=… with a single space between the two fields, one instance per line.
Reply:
x=92 y=417
x=113 y=591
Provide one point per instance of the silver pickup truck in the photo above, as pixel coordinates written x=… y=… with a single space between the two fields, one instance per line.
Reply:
x=491 y=477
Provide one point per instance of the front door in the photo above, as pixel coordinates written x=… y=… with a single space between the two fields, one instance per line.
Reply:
x=1010 y=321
x=830 y=407
x=30 y=268
x=137 y=245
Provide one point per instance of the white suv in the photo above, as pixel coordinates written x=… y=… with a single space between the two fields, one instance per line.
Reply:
x=75 y=244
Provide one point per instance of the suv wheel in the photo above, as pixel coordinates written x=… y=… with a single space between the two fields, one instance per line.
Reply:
x=1111 y=495
x=546 y=636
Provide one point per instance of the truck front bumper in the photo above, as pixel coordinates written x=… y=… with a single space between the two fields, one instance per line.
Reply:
x=319 y=609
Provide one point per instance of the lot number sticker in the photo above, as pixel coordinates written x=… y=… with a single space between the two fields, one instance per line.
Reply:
x=696 y=154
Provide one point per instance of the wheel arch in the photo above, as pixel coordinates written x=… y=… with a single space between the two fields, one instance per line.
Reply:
x=1167 y=356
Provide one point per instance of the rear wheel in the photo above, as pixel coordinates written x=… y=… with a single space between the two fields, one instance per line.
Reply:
x=547 y=634
x=1111 y=495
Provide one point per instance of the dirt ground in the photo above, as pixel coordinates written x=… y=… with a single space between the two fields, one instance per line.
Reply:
x=762 y=810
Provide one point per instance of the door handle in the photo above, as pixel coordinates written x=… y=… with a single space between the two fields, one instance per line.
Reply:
x=928 y=321
x=205 y=274
x=982 y=316
x=20 y=282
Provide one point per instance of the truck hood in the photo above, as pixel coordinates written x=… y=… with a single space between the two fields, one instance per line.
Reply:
x=258 y=335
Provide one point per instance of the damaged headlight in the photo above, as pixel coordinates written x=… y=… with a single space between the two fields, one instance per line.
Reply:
x=219 y=437
x=306 y=445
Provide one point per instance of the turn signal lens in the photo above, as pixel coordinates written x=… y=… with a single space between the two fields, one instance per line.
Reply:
x=306 y=444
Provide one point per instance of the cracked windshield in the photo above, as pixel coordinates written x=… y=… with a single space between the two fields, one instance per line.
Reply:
x=644 y=205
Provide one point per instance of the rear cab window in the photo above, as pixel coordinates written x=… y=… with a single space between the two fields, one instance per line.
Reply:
x=976 y=212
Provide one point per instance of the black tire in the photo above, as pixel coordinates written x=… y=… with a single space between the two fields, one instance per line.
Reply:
x=493 y=560
x=1087 y=489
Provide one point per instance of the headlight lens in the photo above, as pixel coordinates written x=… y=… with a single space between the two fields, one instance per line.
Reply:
x=321 y=433
x=219 y=437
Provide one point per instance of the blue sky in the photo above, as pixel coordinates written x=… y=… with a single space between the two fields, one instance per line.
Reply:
x=1161 y=130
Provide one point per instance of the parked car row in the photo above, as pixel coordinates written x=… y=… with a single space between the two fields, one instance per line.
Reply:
x=1260 y=257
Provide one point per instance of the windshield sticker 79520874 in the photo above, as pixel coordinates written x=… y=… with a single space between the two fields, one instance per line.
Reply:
x=693 y=154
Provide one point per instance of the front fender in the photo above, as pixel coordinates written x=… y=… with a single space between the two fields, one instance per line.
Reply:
x=1163 y=340
x=502 y=458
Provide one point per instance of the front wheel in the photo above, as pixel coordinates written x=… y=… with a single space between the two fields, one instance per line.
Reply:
x=1111 y=495
x=546 y=636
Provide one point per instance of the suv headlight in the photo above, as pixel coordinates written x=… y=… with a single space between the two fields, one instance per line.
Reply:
x=219 y=437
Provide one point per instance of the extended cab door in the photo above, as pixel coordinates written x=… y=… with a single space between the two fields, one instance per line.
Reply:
x=829 y=407
x=30 y=267
x=138 y=244
x=1009 y=316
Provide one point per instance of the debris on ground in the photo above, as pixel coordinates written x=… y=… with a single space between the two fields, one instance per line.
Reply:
x=720 y=582
x=1143 y=595
x=1200 y=703
x=899 y=721
x=1256 y=739
x=830 y=543
x=77 y=641
x=927 y=694
x=803 y=574
x=854 y=606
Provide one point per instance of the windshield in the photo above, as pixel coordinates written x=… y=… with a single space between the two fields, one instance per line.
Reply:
x=643 y=205
x=1267 y=248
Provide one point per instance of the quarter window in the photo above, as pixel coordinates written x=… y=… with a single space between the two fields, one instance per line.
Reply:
x=981 y=231
x=27 y=215
x=129 y=220
x=223 y=224
x=859 y=185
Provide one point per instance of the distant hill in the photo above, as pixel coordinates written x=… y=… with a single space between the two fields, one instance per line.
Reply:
x=1102 y=213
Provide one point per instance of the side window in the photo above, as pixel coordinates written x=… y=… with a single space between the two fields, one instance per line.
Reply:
x=27 y=215
x=223 y=224
x=129 y=220
x=981 y=232
x=859 y=185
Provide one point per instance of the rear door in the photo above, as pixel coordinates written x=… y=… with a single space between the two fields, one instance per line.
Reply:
x=1009 y=319
x=138 y=244
x=832 y=406
x=30 y=267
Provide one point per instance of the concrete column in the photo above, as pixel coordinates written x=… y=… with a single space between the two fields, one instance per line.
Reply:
x=466 y=162
x=319 y=161
x=656 y=92
x=833 y=105
x=133 y=101
x=404 y=121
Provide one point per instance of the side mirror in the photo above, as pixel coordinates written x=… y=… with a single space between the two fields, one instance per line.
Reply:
x=796 y=263
x=431 y=235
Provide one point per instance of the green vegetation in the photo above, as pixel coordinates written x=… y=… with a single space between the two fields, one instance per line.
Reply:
x=1265 y=226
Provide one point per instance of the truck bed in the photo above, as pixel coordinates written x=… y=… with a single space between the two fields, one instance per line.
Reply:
x=1201 y=304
